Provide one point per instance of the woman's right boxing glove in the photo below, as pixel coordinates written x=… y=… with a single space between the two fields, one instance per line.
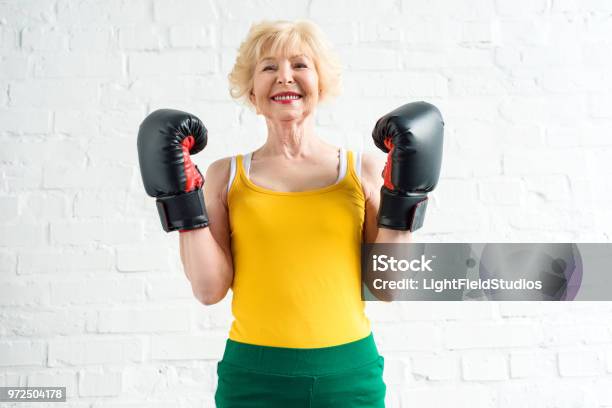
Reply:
x=166 y=139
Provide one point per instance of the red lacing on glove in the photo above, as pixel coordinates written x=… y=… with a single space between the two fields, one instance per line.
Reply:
x=194 y=178
x=387 y=170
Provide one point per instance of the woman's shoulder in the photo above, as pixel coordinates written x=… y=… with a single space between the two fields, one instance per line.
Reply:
x=217 y=176
x=219 y=167
x=372 y=166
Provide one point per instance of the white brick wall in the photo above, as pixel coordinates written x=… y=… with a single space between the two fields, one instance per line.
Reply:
x=92 y=295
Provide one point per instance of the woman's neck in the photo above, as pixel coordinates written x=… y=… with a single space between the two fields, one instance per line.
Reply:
x=290 y=139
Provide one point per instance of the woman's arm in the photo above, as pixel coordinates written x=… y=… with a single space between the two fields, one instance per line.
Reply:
x=205 y=252
x=371 y=180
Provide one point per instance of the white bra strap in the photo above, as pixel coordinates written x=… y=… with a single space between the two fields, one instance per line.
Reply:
x=343 y=160
x=232 y=173
x=246 y=163
x=358 y=164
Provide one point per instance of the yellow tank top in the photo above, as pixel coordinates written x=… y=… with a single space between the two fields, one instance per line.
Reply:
x=297 y=263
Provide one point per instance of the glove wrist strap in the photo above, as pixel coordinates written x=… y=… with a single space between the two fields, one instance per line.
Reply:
x=400 y=211
x=183 y=211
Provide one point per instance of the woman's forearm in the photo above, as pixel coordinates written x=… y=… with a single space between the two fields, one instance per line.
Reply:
x=206 y=265
x=389 y=236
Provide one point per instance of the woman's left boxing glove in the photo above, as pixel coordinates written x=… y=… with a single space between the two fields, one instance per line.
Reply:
x=412 y=137
x=166 y=139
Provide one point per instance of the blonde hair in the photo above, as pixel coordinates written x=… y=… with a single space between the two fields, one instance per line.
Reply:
x=285 y=37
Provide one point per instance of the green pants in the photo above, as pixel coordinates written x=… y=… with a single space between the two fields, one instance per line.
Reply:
x=344 y=376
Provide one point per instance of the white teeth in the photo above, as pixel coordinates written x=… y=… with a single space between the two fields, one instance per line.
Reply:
x=285 y=98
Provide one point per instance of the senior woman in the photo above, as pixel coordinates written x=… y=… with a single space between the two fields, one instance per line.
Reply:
x=283 y=225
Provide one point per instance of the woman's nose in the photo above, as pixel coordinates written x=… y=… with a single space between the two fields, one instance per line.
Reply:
x=285 y=74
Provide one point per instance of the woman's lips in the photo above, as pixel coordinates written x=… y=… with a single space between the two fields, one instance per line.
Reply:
x=285 y=101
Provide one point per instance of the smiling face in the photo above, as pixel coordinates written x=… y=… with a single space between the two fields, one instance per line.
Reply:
x=285 y=87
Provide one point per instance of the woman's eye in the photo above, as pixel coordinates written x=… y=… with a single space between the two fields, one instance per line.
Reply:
x=297 y=65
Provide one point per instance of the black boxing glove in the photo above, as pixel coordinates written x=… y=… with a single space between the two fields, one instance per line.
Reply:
x=412 y=135
x=166 y=139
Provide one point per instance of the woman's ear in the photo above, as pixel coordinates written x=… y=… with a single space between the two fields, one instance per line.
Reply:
x=253 y=102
